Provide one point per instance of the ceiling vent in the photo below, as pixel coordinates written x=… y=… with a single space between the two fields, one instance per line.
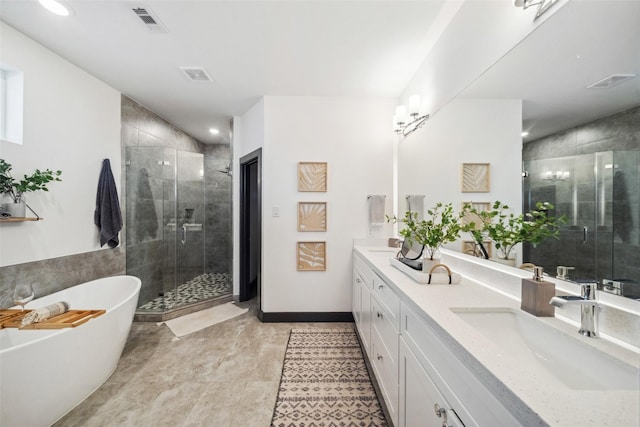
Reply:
x=610 y=81
x=150 y=21
x=196 y=74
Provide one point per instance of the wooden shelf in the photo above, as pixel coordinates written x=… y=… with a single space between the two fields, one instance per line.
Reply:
x=19 y=219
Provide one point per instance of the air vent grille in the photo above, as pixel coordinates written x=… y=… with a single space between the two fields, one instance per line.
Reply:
x=610 y=81
x=150 y=21
x=196 y=74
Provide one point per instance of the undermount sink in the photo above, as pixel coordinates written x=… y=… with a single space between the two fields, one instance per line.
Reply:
x=555 y=356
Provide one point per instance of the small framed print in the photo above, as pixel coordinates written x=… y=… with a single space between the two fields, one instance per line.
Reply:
x=470 y=247
x=471 y=217
x=311 y=256
x=475 y=177
x=312 y=176
x=312 y=216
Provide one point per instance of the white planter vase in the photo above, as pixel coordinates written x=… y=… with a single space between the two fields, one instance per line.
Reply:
x=16 y=210
x=510 y=262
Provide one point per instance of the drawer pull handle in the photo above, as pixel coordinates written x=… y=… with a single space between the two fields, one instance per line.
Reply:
x=379 y=315
x=380 y=286
x=379 y=357
x=358 y=280
x=440 y=412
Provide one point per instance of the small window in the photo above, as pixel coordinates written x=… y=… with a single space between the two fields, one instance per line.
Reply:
x=11 y=104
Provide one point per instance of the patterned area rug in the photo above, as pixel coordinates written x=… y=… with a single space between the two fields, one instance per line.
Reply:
x=325 y=382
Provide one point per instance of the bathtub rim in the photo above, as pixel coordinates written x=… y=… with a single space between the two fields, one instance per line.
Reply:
x=55 y=332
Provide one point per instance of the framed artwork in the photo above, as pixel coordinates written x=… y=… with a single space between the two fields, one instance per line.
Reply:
x=311 y=256
x=312 y=216
x=475 y=177
x=470 y=247
x=471 y=217
x=312 y=176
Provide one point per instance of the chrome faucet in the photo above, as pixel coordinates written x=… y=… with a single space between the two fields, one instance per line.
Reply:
x=589 y=307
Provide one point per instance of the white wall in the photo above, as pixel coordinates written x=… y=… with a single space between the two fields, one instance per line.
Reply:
x=353 y=136
x=248 y=136
x=71 y=123
x=465 y=131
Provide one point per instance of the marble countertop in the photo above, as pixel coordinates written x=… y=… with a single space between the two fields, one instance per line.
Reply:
x=533 y=400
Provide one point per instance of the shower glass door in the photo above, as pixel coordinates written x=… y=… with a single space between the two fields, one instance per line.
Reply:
x=189 y=236
x=581 y=188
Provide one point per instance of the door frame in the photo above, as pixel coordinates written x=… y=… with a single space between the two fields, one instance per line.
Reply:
x=255 y=157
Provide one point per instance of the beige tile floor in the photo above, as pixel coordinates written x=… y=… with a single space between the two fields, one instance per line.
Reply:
x=226 y=375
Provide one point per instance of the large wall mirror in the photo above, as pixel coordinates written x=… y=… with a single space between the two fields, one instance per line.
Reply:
x=578 y=76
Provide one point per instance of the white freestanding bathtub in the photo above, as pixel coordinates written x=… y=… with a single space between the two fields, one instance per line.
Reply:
x=46 y=373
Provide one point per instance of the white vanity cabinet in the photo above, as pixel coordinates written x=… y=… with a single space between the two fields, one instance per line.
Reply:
x=421 y=403
x=421 y=380
x=385 y=324
x=430 y=374
x=361 y=300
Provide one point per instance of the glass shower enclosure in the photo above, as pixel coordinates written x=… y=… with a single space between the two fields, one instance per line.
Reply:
x=599 y=194
x=165 y=229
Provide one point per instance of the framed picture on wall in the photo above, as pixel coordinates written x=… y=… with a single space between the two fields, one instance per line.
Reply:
x=475 y=177
x=312 y=216
x=312 y=176
x=311 y=256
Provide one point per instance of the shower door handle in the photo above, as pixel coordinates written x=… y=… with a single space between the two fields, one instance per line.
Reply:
x=184 y=235
x=585 y=234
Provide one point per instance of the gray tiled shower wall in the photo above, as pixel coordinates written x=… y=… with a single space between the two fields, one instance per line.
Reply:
x=617 y=133
x=52 y=275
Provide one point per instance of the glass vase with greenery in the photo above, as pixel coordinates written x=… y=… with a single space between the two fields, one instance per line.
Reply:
x=16 y=188
x=506 y=229
x=441 y=225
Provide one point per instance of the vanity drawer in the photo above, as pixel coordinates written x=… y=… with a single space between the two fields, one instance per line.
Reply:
x=386 y=371
x=363 y=270
x=388 y=299
x=381 y=322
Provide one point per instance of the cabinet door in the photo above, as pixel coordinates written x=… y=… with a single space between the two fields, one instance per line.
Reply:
x=356 y=297
x=421 y=404
x=365 y=318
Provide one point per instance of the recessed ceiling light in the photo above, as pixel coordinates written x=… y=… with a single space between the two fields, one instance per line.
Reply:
x=525 y=133
x=55 y=7
x=214 y=131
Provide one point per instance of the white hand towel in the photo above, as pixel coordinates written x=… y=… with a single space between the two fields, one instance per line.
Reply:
x=415 y=203
x=45 y=313
x=376 y=209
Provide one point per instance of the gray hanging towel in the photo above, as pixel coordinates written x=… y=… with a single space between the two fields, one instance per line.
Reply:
x=107 y=216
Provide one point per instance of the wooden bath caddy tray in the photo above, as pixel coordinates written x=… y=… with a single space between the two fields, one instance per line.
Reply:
x=69 y=319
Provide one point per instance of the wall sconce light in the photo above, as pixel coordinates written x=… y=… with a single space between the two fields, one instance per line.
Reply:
x=403 y=123
x=556 y=175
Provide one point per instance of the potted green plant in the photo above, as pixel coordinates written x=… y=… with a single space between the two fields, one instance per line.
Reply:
x=15 y=189
x=506 y=229
x=441 y=225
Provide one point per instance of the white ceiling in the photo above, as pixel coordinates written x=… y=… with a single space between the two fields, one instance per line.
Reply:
x=360 y=48
x=251 y=49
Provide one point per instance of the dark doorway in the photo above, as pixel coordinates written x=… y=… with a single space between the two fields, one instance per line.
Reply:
x=250 y=227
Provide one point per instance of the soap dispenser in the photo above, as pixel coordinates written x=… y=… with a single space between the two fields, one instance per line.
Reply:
x=536 y=293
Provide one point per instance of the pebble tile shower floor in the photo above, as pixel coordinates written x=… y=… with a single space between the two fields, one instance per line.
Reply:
x=203 y=287
x=226 y=375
